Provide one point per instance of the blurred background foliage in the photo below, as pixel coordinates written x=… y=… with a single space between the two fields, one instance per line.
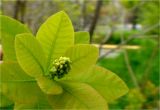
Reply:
x=118 y=23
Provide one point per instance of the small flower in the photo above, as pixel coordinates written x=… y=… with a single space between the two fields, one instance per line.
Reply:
x=60 y=67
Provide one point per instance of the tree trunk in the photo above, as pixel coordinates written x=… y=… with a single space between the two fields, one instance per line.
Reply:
x=20 y=9
x=95 y=19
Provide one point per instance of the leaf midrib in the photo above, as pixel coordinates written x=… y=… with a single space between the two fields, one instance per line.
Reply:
x=32 y=56
x=87 y=83
x=49 y=60
x=74 y=96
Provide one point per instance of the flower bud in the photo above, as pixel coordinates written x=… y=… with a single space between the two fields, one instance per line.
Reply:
x=60 y=67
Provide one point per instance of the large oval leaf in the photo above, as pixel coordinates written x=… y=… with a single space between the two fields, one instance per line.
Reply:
x=30 y=55
x=9 y=29
x=107 y=83
x=77 y=96
x=56 y=35
x=81 y=37
x=83 y=57
x=21 y=88
x=49 y=86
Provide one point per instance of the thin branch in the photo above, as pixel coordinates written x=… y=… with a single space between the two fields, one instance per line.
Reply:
x=113 y=27
x=130 y=70
x=136 y=6
x=119 y=46
x=149 y=64
x=126 y=57
x=129 y=39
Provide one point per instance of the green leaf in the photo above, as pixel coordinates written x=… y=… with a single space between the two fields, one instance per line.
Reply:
x=49 y=86
x=31 y=58
x=56 y=35
x=83 y=57
x=81 y=37
x=9 y=29
x=21 y=88
x=30 y=55
x=77 y=96
x=108 y=84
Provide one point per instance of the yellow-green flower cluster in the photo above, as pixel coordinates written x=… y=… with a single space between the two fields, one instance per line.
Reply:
x=60 y=67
